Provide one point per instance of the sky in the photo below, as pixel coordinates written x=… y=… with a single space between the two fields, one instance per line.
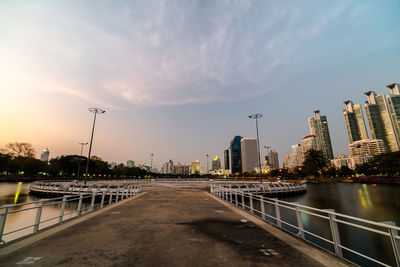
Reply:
x=179 y=78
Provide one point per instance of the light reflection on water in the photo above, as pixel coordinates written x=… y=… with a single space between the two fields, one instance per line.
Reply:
x=26 y=218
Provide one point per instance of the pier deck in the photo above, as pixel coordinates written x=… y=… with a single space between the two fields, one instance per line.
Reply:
x=170 y=225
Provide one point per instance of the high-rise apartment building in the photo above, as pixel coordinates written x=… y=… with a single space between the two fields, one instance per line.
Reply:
x=215 y=164
x=319 y=127
x=355 y=122
x=226 y=159
x=367 y=147
x=309 y=142
x=195 y=167
x=380 y=119
x=249 y=154
x=45 y=155
x=236 y=155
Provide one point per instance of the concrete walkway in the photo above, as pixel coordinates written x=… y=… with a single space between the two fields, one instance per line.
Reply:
x=168 y=226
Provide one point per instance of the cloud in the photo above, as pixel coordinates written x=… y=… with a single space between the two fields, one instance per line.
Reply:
x=164 y=52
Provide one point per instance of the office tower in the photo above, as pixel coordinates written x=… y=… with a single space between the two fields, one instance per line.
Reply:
x=216 y=164
x=295 y=158
x=236 y=155
x=368 y=147
x=355 y=123
x=196 y=167
x=319 y=127
x=45 y=155
x=249 y=154
x=226 y=159
x=130 y=164
x=380 y=119
x=273 y=159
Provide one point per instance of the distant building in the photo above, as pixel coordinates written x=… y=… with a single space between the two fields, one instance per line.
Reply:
x=273 y=159
x=215 y=164
x=236 y=155
x=350 y=162
x=309 y=142
x=130 y=164
x=355 y=122
x=226 y=159
x=382 y=127
x=319 y=127
x=45 y=155
x=249 y=154
x=112 y=165
x=195 y=167
x=367 y=147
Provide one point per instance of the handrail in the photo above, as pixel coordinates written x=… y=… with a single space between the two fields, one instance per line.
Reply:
x=387 y=230
x=108 y=197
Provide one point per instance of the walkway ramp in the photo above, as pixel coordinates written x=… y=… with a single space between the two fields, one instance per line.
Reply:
x=167 y=226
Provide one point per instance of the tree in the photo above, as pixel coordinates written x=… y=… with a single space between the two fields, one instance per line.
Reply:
x=4 y=162
x=314 y=162
x=20 y=150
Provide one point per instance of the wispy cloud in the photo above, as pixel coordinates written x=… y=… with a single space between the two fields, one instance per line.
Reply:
x=163 y=52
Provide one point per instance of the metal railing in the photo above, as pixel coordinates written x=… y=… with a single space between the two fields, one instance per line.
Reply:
x=98 y=199
x=247 y=201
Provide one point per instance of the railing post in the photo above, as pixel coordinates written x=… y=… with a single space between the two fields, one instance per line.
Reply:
x=236 y=198
x=299 y=222
x=395 y=243
x=110 y=199
x=230 y=194
x=262 y=204
x=117 y=196
x=92 y=201
x=38 y=215
x=251 y=203
x=241 y=192
x=80 y=205
x=60 y=218
x=103 y=195
x=335 y=233
x=277 y=213
x=3 y=217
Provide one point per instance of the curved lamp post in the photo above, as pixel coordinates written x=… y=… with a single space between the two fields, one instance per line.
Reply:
x=95 y=111
x=256 y=117
x=207 y=163
x=151 y=164
x=80 y=159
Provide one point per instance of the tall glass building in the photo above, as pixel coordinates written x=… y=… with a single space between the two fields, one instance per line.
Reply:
x=236 y=155
x=226 y=159
x=319 y=127
x=380 y=119
x=355 y=123
x=393 y=101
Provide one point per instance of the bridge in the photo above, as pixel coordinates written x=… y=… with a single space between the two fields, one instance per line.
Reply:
x=177 y=224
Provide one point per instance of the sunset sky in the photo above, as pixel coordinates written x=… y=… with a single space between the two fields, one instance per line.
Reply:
x=179 y=78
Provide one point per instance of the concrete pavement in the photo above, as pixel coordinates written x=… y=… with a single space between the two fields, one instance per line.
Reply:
x=168 y=226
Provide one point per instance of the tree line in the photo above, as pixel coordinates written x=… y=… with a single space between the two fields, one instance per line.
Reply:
x=18 y=159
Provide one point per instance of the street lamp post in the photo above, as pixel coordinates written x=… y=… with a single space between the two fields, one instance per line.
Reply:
x=207 y=163
x=256 y=117
x=80 y=159
x=95 y=111
x=151 y=164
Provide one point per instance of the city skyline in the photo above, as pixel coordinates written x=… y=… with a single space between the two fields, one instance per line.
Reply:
x=182 y=88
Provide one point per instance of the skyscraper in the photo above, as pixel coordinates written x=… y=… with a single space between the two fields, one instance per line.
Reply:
x=355 y=123
x=45 y=155
x=319 y=127
x=236 y=155
x=273 y=159
x=216 y=164
x=393 y=101
x=380 y=119
x=249 y=154
x=226 y=159
x=195 y=167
